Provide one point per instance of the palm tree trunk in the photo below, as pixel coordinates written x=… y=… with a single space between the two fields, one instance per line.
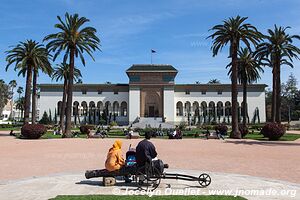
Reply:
x=278 y=95
x=70 y=94
x=34 y=96
x=27 y=94
x=63 y=106
x=234 y=92
x=12 y=104
x=274 y=94
x=245 y=106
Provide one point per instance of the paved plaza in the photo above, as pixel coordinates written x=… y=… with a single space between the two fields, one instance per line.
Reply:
x=45 y=168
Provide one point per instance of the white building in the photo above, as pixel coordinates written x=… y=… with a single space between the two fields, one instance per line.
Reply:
x=152 y=96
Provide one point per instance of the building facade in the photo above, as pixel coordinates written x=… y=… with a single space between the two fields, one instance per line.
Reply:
x=152 y=94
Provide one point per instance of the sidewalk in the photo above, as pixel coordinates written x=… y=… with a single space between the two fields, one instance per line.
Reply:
x=42 y=188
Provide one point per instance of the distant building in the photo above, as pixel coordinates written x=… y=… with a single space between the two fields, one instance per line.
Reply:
x=6 y=111
x=152 y=96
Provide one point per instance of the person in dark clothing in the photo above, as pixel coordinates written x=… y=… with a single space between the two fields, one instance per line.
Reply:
x=145 y=151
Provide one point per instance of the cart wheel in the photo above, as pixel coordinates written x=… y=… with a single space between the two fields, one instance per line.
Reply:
x=204 y=180
x=148 y=180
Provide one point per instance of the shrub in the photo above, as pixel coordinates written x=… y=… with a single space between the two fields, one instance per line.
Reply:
x=182 y=126
x=33 y=131
x=273 y=131
x=244 y=130
x=222 y=128
x=208 y=127
x=113 y=123
x=86 y=129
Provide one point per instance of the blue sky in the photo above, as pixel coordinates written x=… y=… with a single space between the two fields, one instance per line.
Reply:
x=176 y=29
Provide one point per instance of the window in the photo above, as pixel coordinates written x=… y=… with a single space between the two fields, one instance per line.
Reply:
x=116 y=92
x=83 y=91
x=219 y=92
x=203 y=92
x=134 y=78
x=99 y=91
x=187 y=92
x=168 y=78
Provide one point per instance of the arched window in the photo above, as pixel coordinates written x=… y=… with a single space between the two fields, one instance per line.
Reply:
x=99 y=108
x=187 y=108
x=124 y=109
x=204 y=108
x=196 y=108
x=84 y=108
x=212 y=109
x=220 y=111
x=116 y=108
x=108 y=107
x=179 y=108
x=75 y=108
x=228 y=108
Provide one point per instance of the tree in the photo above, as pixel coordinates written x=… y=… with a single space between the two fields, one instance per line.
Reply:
x=45 y=119
x=62 y=73
x=50 y=116
x=12 y=84
x=20 y=105
x=275 y=51
x=214 y=81
x=5 y=94
x=55 y=116
x=248 y=72
x=20 y=90
x=74 y=40
x=234 y=31
x=27 y=56
x=290 y=110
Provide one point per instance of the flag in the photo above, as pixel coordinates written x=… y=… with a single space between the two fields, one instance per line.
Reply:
x=153 y=51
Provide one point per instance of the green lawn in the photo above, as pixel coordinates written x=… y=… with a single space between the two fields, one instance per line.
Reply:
x=12 y=128
x=131 y=197
x=286 y=137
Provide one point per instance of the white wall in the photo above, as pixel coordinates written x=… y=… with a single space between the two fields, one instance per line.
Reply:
x=169 y=108
x=255 y=100
x=49 y=100
x=134 y=104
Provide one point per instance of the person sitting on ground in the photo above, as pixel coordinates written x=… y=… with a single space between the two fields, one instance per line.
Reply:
x=115 y=160
x=178 y=134
x=130 y=133
x=145 y=151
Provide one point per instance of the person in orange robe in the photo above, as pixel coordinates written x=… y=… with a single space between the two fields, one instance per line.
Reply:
x=115 y=160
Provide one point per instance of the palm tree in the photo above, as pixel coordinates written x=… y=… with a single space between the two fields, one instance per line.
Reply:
x=214 y=81
x=46 y=68
x=278 y=50
x=74 y=40
x=12 y=84
x=19 y=91
x=27 y=56
x=20 y=105
x=234 y=31
x=248 y=72
x=62 y=73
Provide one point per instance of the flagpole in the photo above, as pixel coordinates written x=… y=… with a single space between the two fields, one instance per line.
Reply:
x=151 y=56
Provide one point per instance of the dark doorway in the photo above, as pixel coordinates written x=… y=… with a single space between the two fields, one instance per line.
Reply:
x=151 y=111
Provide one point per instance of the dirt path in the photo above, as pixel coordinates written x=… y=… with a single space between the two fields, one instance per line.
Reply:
x=28 y=158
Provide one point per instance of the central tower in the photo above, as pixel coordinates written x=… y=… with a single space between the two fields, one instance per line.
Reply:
x=151 y=91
